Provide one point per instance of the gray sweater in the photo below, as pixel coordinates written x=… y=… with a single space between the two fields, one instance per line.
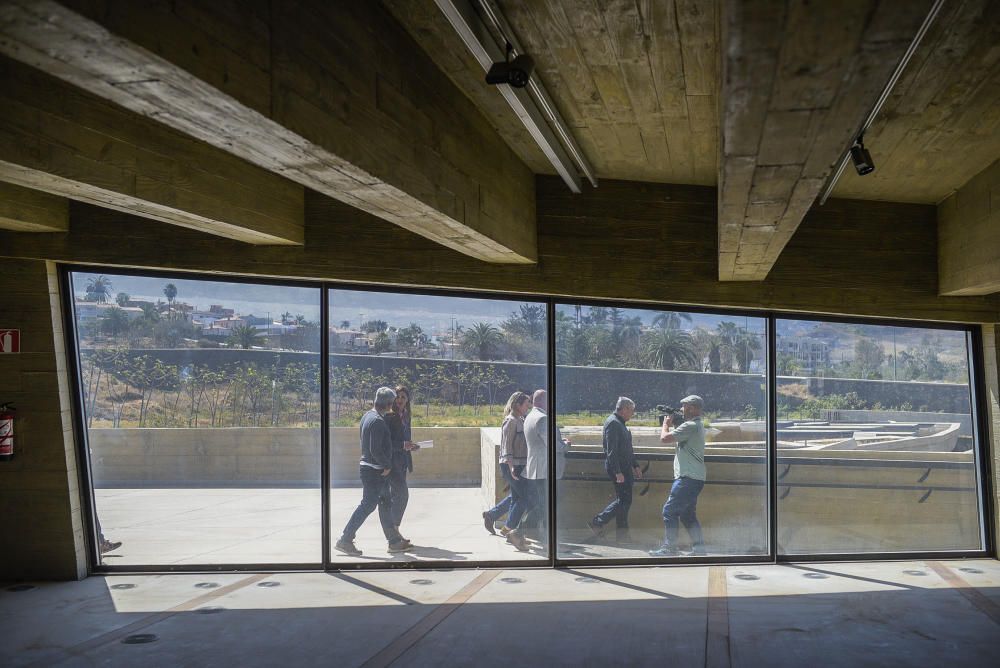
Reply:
x=376 y=441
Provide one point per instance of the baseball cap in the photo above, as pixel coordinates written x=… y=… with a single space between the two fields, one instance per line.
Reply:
x=694 y=400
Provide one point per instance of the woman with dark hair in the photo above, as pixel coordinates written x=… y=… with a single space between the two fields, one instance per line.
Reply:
x=398 y=420
x=513 y=457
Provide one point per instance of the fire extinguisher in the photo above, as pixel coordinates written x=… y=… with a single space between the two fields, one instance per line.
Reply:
x=6 y=432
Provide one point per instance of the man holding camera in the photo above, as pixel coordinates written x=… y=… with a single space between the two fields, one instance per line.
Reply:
x=689 y=477
x=622 y=468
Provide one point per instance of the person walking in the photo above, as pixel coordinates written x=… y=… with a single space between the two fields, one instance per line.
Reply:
x=513 y=457
x=536 y=468
x=689 y=478
x=375 y=467
x=622 y=468
x=401 y=432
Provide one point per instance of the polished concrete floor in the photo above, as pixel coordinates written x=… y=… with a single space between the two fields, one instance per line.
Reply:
x=912 y=613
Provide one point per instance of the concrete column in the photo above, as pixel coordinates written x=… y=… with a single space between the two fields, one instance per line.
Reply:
x=991 y=367
x=41 y=526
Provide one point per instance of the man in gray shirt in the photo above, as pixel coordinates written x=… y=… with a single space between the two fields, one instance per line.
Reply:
x=536 y=471
x=689 y=478
x=376 y=465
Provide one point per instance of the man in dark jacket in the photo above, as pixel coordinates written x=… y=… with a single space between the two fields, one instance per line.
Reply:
x=376 y=465
x=622 y=468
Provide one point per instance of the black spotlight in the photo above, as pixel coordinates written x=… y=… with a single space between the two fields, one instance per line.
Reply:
x=861 y=158
x=512 y=72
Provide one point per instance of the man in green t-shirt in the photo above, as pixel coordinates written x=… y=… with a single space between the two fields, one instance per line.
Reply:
x=689 y=477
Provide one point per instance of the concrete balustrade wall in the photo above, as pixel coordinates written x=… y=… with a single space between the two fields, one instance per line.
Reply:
x=848 y=502
x=828 y=502
x=265 y=456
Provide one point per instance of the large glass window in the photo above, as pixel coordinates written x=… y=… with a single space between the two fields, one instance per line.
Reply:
x=876 y=440
x=204 y=416
x=627 y=488
x=465 y=371
x=201 y=406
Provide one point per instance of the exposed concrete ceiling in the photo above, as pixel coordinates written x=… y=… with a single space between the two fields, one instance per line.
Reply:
x=637 y=81
x=640 y=85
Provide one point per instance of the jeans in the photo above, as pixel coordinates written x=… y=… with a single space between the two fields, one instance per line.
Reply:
x=618 y=509
x=537 y=501
x=681 y=505
x=375 y=495
x=399 y=491
x=513 y=503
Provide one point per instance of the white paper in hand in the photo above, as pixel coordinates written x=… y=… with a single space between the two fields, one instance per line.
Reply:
x=425 y=444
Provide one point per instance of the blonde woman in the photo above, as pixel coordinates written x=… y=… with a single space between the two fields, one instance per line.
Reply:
x=513 y=457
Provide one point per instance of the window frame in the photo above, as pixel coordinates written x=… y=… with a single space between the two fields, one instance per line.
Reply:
x=977 y=383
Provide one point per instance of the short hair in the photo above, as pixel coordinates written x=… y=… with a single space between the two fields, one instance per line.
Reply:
x=623 y=402
x=384 y=396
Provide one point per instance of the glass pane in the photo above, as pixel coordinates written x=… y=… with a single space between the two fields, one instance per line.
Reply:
x=625 y=493
x=202 y=414
x=459 y=360
x=876 y=445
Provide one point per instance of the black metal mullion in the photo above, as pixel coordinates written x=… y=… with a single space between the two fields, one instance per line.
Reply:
x=771 y=382
x=980 y=412
x=324 y=422
x=550 y=368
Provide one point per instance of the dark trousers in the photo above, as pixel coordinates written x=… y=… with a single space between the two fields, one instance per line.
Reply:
x=399 y=491
x=375 y=495
x=681 y=506
x=618 y=509
x=513 y=505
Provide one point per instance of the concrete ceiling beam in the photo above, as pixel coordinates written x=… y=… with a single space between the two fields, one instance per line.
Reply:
x=798 y=81
x=334 y=96
x=61 y=141
x=26 y=210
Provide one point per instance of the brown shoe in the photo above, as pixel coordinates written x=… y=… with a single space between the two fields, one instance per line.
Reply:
x=110 y=546
x=504 y=530
x=518 y=541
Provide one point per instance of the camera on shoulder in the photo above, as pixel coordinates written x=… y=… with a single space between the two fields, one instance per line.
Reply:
x=676 y=415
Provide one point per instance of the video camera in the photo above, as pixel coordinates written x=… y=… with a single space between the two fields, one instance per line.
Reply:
x=676 y=415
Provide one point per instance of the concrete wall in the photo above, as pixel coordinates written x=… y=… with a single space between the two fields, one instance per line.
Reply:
x=41 y=528
x=850 y=502
x=278 y=456
x=969 y=234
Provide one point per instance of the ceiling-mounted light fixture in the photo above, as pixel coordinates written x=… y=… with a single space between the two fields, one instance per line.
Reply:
x=515 y=72
x=860 y=156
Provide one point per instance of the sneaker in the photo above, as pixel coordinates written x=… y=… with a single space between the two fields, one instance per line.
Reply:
x=698 y=551
x=518 y=541
x=401 y=545
x=110 y=546
x=488 y=523
x=597 y=529
x=664 y=551
x=347 y=547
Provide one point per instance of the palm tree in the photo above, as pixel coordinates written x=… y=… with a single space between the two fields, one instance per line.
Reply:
x=123 y=298
x=114 y=322
x=669 y=348
x=286 y=317
x=170 y=291
x=737 y=344
x=245 y=336
x=482 y=340
x=671 y=319
x=99 y=289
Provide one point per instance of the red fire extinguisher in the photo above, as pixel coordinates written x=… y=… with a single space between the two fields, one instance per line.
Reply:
x=6 y=432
